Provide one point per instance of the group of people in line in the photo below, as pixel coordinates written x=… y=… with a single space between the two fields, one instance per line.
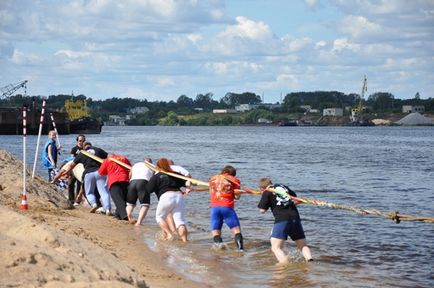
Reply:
x=111 y=177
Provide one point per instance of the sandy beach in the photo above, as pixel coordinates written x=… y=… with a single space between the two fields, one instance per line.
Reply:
x=49 y=245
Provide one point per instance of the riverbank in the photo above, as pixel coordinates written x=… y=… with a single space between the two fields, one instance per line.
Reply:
x=51 y=246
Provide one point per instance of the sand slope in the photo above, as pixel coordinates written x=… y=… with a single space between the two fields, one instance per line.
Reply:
x=51 y=246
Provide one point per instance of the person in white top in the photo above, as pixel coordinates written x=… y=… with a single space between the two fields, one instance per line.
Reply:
x=139 y=177
x=184 y=172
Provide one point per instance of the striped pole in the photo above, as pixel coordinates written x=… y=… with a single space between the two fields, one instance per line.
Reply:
x=59 y=146
x=41 y=121
x=24 y=197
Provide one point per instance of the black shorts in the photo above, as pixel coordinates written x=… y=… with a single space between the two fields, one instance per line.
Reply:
x=137 y=190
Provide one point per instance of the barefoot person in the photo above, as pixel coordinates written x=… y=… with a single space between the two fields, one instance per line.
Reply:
x=222 y=191
x=286 y=219
x=140 y=174
x=170 y=199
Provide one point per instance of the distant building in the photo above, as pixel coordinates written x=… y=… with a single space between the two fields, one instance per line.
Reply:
x=413 y=109
x=198 y=109
x=243 y=107
x=224 y=111
x=115 y=120
x=248 y=107
x=306 y=107
x=264 y=121
x=333 y=112
x=139 y=110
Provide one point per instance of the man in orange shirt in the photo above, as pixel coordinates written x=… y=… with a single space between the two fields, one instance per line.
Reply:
x=118 y=180
x=222 y=191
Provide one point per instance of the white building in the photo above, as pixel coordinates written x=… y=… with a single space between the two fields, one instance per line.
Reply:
x=264 y=121
x=115 y=120
x=139 y=110
x=306 y=108
x=333 y=112
x=248 y=107
x=413 y=109
x=224 y=111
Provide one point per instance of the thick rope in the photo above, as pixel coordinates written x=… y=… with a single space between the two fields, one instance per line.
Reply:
x=395 y=216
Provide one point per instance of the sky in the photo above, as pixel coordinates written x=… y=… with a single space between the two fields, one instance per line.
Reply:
x=161 y=49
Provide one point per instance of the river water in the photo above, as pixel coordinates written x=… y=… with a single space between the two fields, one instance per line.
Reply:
x=384 y=168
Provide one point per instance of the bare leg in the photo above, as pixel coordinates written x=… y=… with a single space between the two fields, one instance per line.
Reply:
x=165 y=227
x=182 y=231
x=171 y=223
x=276 y=247
x=305 y=250
x=142 y=213
x=129 y=210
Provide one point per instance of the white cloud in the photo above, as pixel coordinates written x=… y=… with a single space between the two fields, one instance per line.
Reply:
x=233 y=68
x=143 y=48
x=246 y=36
x=342 y=44
x=133 y=92
x=21 y=58
x=165 y=81
x=283 y=81
x=359 y=26
x=312 y=4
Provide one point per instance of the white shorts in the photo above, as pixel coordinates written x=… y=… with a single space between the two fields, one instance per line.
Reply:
x=171 y=202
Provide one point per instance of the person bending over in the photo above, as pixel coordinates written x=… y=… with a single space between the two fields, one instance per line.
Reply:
x=222 y=192
x=170 y=199
x=286 y=218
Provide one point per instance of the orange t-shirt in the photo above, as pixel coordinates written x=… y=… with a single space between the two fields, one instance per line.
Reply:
x=221 y=188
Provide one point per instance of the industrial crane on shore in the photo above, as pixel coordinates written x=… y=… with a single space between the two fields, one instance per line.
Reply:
x=356 y=112
x=10 y=89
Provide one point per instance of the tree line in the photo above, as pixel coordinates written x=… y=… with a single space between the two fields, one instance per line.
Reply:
x=180 y=112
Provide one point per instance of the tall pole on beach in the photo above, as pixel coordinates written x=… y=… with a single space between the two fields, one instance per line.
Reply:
x=24 y=197
x=59 y=146
x=41 y=121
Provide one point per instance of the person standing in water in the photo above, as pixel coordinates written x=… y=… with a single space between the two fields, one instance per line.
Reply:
x=222 y=191
x=286 y=218
x=170 y=199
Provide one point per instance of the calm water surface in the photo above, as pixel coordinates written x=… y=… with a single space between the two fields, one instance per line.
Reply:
x=385 y=168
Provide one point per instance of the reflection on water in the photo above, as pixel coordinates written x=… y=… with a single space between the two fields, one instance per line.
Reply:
x=385 y=168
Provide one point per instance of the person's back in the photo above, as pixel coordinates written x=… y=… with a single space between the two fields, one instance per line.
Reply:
x=222 y=195
x=141 y=171
x=139 y=176
x=286 y=219
x=222 y=190
x=118 y=180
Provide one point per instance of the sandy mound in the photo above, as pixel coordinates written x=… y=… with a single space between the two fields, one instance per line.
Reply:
x=50 y=246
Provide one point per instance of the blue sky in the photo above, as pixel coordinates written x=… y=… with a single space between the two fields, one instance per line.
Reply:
x=161 y=49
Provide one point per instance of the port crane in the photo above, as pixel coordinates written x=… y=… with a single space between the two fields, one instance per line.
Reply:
x=8 y=90
x=356 y=112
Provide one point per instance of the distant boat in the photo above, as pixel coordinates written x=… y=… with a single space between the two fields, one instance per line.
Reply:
x=11 y=121
x=81 y=121
x=288 y=123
